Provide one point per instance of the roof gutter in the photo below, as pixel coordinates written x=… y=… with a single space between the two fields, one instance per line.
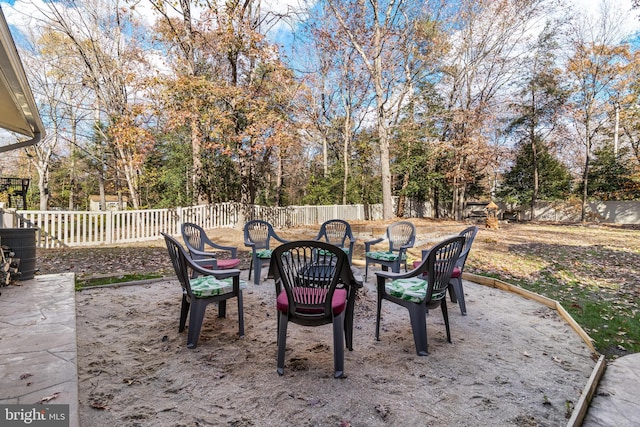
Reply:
x=18 y=110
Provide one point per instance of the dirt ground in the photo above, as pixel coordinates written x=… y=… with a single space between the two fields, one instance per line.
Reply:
x=512 y=361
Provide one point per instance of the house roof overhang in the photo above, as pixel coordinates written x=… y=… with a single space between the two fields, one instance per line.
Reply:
x=18 y=110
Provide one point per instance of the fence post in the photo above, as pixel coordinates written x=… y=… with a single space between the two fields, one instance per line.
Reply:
x=240 y=215
x=108 y=219
x=180 y=221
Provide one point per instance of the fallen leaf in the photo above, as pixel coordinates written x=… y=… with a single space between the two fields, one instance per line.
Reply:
x=99 y=405
x=49 y=398
x=25 y=376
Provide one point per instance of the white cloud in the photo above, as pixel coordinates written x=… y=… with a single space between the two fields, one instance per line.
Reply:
x=23 y=14
x=630 y=22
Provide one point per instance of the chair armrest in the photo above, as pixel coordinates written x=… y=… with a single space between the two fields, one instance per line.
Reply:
x=221 y=274
x=231 y=249
x=279 y=239
x=368 y=244
x=206 y=261
x=196 y=254
x=393 y=276
x=357 y=278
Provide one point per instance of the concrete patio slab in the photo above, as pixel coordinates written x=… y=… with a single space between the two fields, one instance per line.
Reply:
x=38 y=343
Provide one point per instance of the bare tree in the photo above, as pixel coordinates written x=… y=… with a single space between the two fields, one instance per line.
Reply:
x=596 y=68
x=378 y=31
x=94 y=34
x=337 y=92
x=487 y=47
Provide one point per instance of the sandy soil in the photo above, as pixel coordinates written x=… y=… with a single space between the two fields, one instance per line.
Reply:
x=512 y=362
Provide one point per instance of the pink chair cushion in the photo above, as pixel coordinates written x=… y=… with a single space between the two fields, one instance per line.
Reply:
x=314 y=296
x=223 y=264
x=456 y=272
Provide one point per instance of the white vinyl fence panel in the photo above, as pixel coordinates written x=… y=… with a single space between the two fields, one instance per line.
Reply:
x=88 y=228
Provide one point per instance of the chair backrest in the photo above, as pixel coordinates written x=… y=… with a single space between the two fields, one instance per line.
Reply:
x=440 y=263
x=259 y=233
x=401 y=233
x=469 y=235
x=336 y=232
x=192 y=234
x=179 y=261
x=310 y=271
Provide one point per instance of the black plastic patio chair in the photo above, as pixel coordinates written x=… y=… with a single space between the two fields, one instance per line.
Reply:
x=201 y=287
x=204 y=251
x=421 y=289
x=257 y=236
x=314 y=286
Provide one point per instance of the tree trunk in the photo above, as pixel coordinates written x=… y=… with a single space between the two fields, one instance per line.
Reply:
x=72 y=171
x=279 y=175
x=196 y=162
x=43 y=184
x=103 y=195
x=536 y=181
x=402 y=200
x=345 y=155
x=585 y=183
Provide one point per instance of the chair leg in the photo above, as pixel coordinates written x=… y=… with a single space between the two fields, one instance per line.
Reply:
x=378 y=315
x=222 y=308
x=240 y=315
x=195 y=323
x=445 y=315
x=250 y=268
x=184 y=310
x=283 y=320
x=257 y=268
x=460 y=295
x=419 y=328
x=338 y=346
x=366 y=270
x=348 y=321
x=453 y=294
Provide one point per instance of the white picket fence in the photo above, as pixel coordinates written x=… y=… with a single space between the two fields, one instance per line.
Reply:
x=86 y=228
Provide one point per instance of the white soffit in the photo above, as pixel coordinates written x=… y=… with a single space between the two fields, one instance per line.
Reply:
x=18 y=111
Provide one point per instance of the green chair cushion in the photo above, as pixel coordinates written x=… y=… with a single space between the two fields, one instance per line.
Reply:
x=326 y=252
x=206 y=286
x=385 y=256
x=264 y=253
x=412 y=289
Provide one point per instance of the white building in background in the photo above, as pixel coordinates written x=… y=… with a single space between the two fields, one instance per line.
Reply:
x=112 y=203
